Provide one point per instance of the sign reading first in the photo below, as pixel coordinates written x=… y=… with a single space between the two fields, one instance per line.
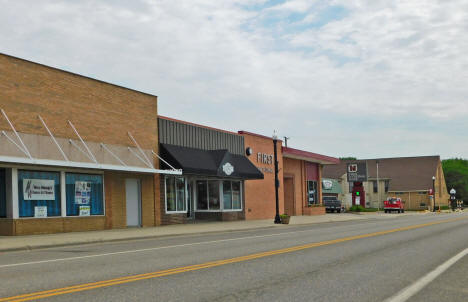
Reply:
x=38 y=189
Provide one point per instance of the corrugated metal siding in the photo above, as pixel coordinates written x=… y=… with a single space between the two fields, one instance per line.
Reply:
x=180 y=134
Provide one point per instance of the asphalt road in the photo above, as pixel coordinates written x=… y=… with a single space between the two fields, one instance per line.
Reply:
x=363 y=260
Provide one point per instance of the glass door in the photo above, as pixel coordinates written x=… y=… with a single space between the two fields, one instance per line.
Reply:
x=202 y=195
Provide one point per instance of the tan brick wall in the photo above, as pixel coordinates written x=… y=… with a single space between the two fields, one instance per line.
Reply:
x=117 y=200
x=101 y=112
x=91 y=223
x=147 y=201
x=7 y=227
x=260 y=194
x=53 y=225
x=157 y=200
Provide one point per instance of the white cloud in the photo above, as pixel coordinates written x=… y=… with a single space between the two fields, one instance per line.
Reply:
x=225 y=64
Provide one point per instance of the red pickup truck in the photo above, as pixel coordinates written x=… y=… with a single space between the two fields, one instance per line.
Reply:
x=393 y=204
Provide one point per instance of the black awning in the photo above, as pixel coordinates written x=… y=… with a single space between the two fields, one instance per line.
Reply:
x=219 y=163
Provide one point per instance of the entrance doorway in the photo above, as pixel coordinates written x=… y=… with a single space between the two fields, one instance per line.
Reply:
x=289 y=196
x=133 y=198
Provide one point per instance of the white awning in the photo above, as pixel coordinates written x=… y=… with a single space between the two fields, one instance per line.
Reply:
x=84 y=165
x=62 y=152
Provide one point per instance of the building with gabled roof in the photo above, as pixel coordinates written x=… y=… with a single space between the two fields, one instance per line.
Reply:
x=409 y=178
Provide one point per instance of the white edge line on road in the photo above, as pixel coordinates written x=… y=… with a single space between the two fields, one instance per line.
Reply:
x=149 y=249
x=416 y=287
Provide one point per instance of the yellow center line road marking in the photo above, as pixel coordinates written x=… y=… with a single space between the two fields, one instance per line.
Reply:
x=179 y=270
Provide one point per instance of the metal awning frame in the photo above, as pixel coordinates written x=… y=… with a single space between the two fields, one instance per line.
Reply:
x=73 y=164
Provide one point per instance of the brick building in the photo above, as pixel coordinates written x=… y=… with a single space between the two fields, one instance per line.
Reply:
x=303 y=181
x=75 y=153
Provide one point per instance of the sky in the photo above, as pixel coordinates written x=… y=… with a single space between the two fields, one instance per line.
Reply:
x=363 y=78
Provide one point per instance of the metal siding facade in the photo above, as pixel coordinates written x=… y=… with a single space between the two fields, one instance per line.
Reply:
x=180 y=134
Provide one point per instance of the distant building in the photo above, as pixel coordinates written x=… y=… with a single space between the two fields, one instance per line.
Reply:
x=409 y=178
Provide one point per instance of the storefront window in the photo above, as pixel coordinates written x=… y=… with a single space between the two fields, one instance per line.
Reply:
x=231 y=195
x=202 y=195
x=38 y=194
x=175 y=194
x=312 y=192
x=210 y=198
x=236 y=195
x=2 y=194
x=227 y=195
x=170 y=194
x=213 y=195
x=84 y=194
x=180 y=194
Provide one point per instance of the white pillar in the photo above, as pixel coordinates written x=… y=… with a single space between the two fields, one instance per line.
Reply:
x=63 y=194
x=14 y=193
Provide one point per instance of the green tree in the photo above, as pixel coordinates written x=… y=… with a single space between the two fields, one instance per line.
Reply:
x=456 y=176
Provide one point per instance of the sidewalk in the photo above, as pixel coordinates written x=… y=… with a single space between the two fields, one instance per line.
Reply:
x=29 y=242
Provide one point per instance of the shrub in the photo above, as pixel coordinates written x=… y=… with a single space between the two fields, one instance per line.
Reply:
x=356 y=208
x=444 y=207
x=282 y=216
x=370 y=210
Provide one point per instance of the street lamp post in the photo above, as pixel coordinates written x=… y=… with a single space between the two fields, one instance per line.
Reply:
x=277 y=216
x=378 y=191
x=433 y=192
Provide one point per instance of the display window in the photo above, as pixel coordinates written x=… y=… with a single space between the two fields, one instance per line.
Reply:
x=39 y=194
x=218 y=195
x=312 y=192
x=232 y=195
x=84 y=194
x=176 y=193
x=2 y=193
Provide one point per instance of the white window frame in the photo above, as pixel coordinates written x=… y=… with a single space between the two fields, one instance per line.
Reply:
x=63 y=201
x=232 y=194
x=175 y=188
x=64 y=194
x=221 y=195
x=208 y=195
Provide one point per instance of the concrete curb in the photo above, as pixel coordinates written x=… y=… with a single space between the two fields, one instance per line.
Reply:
x=132 y=238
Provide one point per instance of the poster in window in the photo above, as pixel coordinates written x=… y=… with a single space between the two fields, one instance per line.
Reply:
x=85 y=210
x=38 y=189
x=40 y=212
x=82 y=192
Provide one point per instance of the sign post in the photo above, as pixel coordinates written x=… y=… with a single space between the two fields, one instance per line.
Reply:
x=357 y=174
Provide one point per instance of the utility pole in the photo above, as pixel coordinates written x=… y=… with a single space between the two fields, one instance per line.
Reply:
x=286 y=141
